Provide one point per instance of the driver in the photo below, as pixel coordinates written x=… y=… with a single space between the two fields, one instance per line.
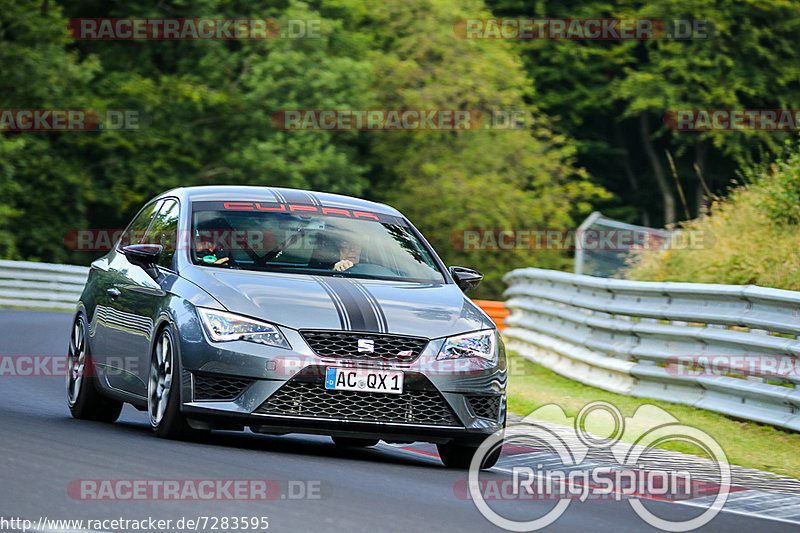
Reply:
x=206 y=247
x=349 y=255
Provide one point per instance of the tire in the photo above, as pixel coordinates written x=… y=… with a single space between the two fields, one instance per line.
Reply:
x=353 y=442
x=163 y=391
x=83 y=399
x=459 y=456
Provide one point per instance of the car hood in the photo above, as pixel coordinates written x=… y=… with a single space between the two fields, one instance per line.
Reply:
x=329 y=302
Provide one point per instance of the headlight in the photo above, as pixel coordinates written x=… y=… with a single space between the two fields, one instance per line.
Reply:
x=222 y=327
x=481 y=344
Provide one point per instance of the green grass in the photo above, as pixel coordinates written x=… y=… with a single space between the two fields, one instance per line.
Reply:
x=746 y=443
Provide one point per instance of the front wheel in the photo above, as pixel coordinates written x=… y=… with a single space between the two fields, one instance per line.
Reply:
x=460 y=456
x=163 y=392
x=83 y=399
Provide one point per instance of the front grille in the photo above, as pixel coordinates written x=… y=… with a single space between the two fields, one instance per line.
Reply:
x=207 y=387
x=485 y=406
x=344 y=344
x=312 y=399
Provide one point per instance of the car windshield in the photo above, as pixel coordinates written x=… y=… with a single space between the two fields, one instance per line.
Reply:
x=314 y=240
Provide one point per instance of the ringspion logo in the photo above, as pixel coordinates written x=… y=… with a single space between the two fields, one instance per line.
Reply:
x=572 y=476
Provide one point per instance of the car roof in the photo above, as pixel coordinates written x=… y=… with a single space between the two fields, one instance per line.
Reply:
x=236 y=193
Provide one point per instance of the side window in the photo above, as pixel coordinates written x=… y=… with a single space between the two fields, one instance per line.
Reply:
x=164 y=231
x=138 y=227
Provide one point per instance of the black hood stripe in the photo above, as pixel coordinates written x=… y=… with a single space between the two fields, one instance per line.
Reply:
x=278 y=196
x=357 y=308
x=297 y=197
x=314 y=199
x=376 y=306
x=344 y=321
x=360 y=313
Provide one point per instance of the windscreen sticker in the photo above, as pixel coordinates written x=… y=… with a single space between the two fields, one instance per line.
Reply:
x=300 y=208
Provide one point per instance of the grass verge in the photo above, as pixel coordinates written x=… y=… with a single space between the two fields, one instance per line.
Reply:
x=748 y=444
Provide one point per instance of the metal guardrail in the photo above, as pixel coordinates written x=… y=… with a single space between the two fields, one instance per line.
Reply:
x=624 y=336
x=41 y=285
x=663 y=340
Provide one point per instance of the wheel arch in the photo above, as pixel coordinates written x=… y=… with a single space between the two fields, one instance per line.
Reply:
x=167 y=320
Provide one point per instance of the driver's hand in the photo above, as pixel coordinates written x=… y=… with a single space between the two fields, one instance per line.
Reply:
x=343 y=265
x=222 y=261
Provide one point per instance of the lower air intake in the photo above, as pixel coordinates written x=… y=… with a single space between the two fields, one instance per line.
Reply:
x=220 y=388
x=485 y=406
x=311 y=399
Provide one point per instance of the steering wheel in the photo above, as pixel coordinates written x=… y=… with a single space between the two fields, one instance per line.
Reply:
x=370 y=269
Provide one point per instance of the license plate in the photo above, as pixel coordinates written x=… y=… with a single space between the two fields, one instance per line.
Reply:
x=358 y=379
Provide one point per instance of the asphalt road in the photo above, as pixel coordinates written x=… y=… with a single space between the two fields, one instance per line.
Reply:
x=42 y=450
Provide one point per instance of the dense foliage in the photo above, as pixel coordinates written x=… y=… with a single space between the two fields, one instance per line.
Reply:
x=611 y=96
x=750 y=237
x=597 y=108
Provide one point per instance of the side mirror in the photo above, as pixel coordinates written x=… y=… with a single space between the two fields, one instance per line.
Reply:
x=145 y=256
x=465 y=278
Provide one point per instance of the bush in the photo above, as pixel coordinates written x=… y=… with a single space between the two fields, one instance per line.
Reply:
x=781 y=203
x=752 y=237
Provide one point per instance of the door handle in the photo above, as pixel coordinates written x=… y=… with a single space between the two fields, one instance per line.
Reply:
x=113 y=292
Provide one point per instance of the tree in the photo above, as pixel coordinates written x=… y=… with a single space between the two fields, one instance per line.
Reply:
x=42 y=178
x=612 y=96
x=209 y=107
x=448 y=182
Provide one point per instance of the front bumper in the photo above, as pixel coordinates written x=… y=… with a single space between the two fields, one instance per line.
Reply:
x=252 y=374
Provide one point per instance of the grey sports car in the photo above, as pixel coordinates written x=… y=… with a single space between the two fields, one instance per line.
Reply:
x=286 y=311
